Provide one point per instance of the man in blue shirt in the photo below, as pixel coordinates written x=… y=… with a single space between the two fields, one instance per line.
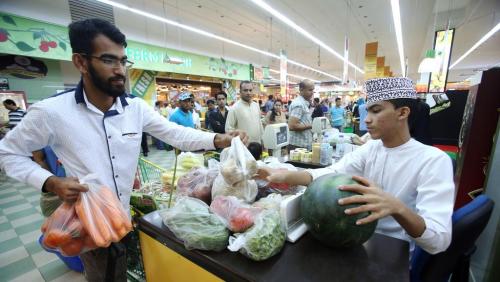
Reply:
x=183 y=115
x=338 y=113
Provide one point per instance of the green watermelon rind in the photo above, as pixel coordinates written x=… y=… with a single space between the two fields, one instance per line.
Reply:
x=327 y=220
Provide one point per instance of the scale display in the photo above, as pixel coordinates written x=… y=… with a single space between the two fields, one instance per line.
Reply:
x=282 y=136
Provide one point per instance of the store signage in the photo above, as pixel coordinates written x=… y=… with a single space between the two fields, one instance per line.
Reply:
x=371 y=60
x=380 y=66
x=143 y=84
x=28 y=37
x=443 y=42
x=283 y=73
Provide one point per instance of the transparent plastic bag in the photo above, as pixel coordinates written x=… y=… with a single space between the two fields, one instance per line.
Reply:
x=191 y=221
x=266 y=187
x=237 y=163
x=198 y=182
x=188 y=160
x=102 y=214
x=236 y=215
x=244 y=190
x=64 y=232
x=265 y=239
x=271 y=202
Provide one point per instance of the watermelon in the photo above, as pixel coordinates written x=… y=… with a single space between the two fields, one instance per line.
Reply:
x=327 y=220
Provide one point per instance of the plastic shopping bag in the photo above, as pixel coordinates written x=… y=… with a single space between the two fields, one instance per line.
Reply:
x=102 y=214
x=237 y=163
x=237 y=169
x=191 y=221
x=237 y=216
x=198 y=182
x=264 y=240
x=64 y=232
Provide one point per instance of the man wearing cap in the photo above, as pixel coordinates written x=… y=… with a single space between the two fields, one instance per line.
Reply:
x=406 y=185
x=183 y=115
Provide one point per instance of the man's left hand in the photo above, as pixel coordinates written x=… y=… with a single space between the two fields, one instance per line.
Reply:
x=372 y=199
x=224 y=140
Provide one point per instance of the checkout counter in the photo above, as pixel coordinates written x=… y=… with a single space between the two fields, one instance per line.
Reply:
x=165 y=258
x=303 y=258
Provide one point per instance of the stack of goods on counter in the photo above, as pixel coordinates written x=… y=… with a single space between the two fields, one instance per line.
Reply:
x=96 y=220
x=215 y=202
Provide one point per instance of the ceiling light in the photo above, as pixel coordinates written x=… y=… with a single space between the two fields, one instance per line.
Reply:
x=295 y=75
x=208 y=34
x=292 y=24
x=399 y=35
x=481 y=41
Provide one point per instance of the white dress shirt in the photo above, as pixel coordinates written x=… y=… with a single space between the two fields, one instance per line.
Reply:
x=420 y=176
x=246 y=117
x=86 y=140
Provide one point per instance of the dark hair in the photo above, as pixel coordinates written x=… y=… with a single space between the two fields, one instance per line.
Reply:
x=210 y=101
x=9 y=102
x=82 y=34
x=255 y=149
x=221 y=93
x=245 y=82
x=273 y=111
x=337 y=99
x=406 y=102
x=316 y=100
x=270 y=97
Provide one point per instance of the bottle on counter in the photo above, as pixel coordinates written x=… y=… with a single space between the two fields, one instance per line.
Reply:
x=339 y=148
x=316 y=150
x=325 y=158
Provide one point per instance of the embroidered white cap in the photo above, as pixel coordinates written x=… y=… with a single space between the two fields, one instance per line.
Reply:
x=389 y=88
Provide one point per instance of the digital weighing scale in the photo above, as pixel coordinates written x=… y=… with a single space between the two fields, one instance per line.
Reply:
x=276 y=136
x=292 y=218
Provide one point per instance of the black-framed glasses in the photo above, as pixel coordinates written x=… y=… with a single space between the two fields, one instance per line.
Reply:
x=112 y=62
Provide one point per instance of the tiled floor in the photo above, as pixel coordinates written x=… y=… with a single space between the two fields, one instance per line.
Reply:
x=21 y=257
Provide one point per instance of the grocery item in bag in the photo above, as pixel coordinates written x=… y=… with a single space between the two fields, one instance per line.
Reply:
x=191 y=221
x=264 y=240
x=102 y=214
x=237 y=216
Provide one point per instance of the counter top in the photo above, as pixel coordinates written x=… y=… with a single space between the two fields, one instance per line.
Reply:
x=381 y=258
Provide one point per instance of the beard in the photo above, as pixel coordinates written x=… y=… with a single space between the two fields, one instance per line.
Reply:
x=107 y=86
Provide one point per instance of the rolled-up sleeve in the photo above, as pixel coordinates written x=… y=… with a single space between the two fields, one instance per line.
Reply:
x=434 y=203
x=184 y=138
x=31 y=134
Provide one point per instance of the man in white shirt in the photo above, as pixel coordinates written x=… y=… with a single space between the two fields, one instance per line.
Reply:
x=245 y=114
x=95 y=128
x=406 y=185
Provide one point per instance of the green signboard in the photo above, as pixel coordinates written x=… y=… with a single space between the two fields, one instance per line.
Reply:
x=23 y=36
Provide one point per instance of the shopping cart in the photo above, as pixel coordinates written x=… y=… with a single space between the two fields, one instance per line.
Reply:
x=148 y=174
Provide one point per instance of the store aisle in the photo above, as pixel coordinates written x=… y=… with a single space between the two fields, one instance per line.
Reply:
x=21 y=257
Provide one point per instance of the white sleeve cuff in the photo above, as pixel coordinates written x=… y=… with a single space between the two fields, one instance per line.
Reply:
x=38 y=177
x=315 y=173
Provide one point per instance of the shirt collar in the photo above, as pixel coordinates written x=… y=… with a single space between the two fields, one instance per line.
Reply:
x=80 y=96
x=304 y=100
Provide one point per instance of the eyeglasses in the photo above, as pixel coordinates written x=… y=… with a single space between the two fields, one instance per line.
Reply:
x=112 y=62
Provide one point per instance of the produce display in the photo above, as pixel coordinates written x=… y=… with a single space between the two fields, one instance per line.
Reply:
x=191 y=221
x=95 y=220
x=327 y=220
x=236 y=215
x=264 y=240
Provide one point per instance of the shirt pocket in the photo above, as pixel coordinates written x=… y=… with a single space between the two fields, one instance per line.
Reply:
x=130 y=137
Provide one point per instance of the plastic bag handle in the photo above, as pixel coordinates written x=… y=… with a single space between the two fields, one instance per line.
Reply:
x=89 y=178
x=236 y=243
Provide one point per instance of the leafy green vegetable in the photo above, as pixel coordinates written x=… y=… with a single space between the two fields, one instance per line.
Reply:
x=191 y=221
x=265 y=239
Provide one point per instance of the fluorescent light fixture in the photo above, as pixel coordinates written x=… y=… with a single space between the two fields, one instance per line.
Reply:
x=207 y=34
x=296 y=76
x=304 y=32
x=396 y=16
x=481 y=41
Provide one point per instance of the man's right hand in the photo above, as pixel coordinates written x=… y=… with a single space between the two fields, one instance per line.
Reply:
x=67 y=188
